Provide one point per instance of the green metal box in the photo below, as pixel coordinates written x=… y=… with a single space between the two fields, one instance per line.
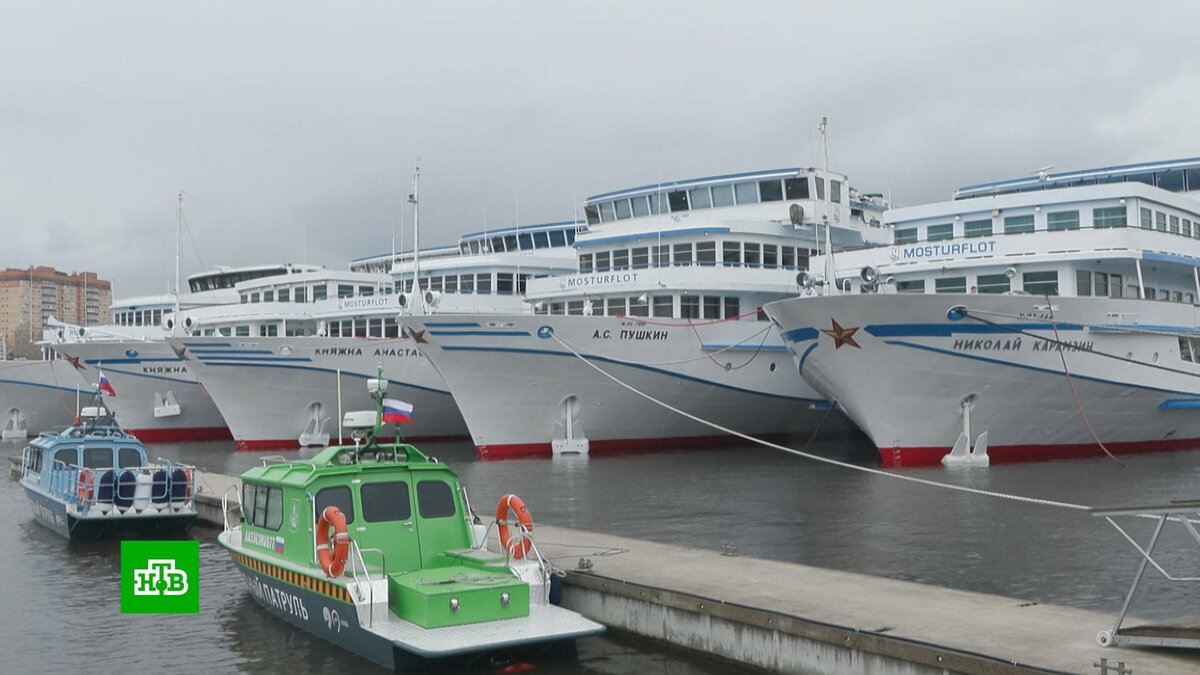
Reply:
x=453 y=596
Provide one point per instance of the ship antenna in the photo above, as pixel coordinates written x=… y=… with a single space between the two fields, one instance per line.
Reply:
x=178 y=246
x=830 y=269
x=415 y=200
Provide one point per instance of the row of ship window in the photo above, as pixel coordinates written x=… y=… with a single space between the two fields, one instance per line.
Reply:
x=704 y=253
x=1174 y=180
x=381 y=501
x=707 y=197
x=1104 y=217
x=503 y=283
x=662 y=306
x=1088 y=283
x=520 y=241
x=375 y=327
x=140 y=317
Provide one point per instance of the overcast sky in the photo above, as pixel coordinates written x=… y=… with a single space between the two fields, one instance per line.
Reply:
x=279 y=119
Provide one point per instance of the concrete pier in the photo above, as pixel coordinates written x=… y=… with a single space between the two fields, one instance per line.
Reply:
x=798 y=619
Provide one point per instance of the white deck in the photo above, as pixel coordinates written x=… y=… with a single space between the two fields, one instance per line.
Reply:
x=544 y=623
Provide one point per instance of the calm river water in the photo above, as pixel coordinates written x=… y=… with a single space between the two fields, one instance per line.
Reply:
x=61 y=603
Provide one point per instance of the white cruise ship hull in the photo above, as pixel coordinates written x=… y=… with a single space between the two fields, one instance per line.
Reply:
x=516 y=385
x=905 y=365
x=158 y=398
x=274 y=390
x=37 y=396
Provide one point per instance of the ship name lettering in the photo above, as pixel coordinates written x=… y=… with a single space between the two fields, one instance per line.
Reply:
x=164 y=370
x=338 y=351
x=1067 y=345
x=643 y=335
x=1011 y=345
x=281 y=600
x=601 y=334
x=392 y=351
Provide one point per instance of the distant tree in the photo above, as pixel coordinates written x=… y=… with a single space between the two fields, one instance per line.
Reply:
x=22 y=346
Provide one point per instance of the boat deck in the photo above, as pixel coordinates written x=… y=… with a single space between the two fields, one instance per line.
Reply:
x=544 y=623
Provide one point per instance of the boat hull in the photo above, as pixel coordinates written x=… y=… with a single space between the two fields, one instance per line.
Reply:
x=515 y=383
x=326 y=611
x=270 y=389
x=906 y=364
x=42 y=393
x=54 y=514
x=143 y=373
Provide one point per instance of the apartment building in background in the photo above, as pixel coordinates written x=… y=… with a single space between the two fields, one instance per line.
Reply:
x=28 y=297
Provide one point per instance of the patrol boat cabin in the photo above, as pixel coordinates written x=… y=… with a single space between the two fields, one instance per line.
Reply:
x=375 y=548
x=92 y=481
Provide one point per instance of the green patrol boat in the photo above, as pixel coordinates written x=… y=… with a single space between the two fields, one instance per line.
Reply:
x=374 y=547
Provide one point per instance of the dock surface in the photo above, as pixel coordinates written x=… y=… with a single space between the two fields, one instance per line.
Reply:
x=939 y=628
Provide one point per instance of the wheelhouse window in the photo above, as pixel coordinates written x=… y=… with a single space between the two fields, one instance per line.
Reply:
x=1174 y=226
x=795 y=188
x=753 y=254
x=639 y=307
x=603 y=263
x=622 y=209
x=747 y=193
x=950 y=285
x=770 y=190
x=98 y=458
x=1113 y=216
x=1062 y=220
x=606 y=212
x=1160 y=221
x=940 y=232
x=677 y=201
x=620 y=259
x=320 y=293
x=722 y=195
x=917 y=286
x=614 y=307
x=907 y=235
x=338 y=496
x=585 y=263
x=835 y=191
x=977 y=228
x=640 y=257
x=658 y=203
x=700 y=198
x=385 y=502
x=663 y=306
x=575 y=307
x=558 y=238
x=128 y=458
x=592 y=213
x=435 y=499
x=504 y=283
x=770 y=255
x=640 y=207
x=1041 y=283
x=712 y=307
x=1018 y=224
x=1147 y=217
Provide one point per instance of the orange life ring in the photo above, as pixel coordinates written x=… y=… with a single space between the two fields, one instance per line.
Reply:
x=333 y=562
x=514 y=502
x=87 y=484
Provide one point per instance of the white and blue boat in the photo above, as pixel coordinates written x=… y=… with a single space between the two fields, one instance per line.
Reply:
x=92 y=481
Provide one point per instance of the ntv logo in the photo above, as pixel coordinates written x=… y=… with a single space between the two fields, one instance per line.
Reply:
x=160 y=577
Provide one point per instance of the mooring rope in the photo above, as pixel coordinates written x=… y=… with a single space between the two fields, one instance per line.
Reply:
x=818 y=458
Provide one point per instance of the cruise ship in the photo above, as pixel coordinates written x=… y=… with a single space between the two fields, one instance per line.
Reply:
x=665 y=298
x=285 y=363
x=38 y=395
x=1043 y=317
x=157 y=396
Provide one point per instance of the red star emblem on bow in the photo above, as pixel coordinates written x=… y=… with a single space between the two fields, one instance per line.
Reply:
x=74 y=361
x=841 y=336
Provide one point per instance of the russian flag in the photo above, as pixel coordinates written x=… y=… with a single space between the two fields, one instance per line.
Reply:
x=106 y=386
x=396 y=411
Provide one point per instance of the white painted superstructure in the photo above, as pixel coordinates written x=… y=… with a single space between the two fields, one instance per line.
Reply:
x=953 y=332
x=665 y=297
